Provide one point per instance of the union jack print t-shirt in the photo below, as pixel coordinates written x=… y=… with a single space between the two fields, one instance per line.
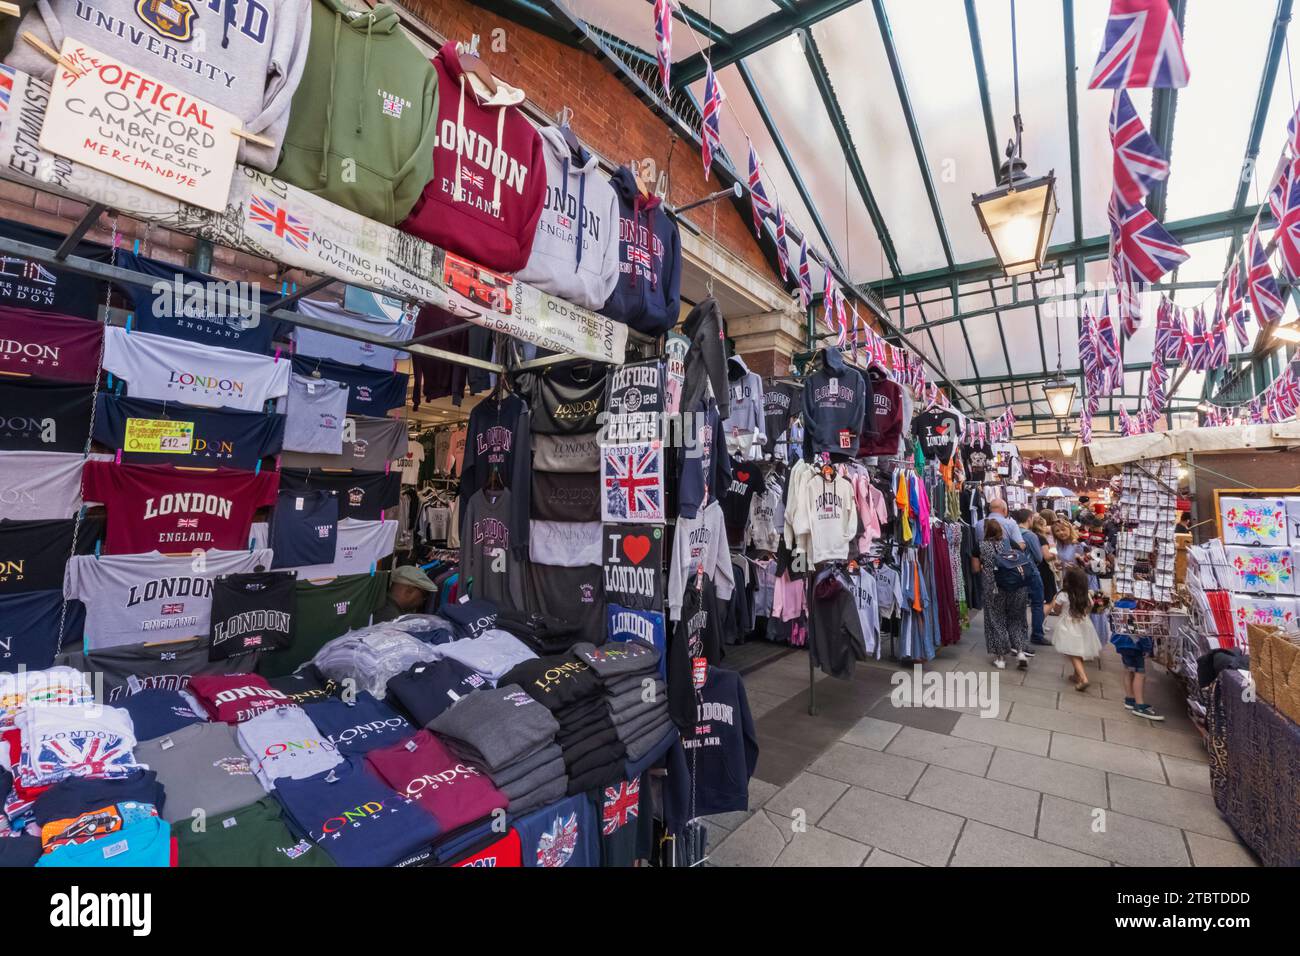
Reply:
x=84 y=740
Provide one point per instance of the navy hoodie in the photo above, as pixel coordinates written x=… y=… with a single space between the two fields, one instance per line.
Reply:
x=718 y=753
x=646 y=297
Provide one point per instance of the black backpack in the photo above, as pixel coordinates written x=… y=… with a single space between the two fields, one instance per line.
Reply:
x=1009 y=575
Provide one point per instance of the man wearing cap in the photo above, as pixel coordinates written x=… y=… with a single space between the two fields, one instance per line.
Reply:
x=408 y=591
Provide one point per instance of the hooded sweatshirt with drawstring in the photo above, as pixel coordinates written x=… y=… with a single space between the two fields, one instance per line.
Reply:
x=647 y=297
x=489 y=172
x=244 y=56
x=362 y=127
x=575 y=253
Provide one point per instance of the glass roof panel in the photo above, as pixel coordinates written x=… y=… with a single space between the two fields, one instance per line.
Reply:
x=1212 y=120
x=852 y=48
x=730 y=15
x=787 y=86
x=1042 y=92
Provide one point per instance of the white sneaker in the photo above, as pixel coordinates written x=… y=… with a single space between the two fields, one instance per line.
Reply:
x=1022 y=661
x=1027 y=653
x=1000 y=664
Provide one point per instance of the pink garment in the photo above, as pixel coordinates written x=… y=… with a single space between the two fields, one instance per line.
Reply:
x=788 y=598
x=922 y=511
x=871 y=508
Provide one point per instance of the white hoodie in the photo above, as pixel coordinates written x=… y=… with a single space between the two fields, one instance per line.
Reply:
x=821 y=517
x=577 y=196
x=700 y=542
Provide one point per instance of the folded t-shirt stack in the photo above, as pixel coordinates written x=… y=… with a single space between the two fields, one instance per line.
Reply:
x=457 y=792
x=637 y=699
x=543 y=633
x=491 y=654
x=510 y=736
x=470 y=618
x=425 y=690
x=571 y=690
x=371 y=656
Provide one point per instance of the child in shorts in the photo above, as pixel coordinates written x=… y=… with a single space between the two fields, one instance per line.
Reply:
x=1133 y=654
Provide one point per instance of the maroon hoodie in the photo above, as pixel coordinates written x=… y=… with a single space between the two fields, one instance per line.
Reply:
x=489 y=172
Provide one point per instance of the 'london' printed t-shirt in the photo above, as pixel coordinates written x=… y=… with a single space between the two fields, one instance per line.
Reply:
x=43 y=415
x=140 y=598
x=155 y=366
x=38 y=485
x=50 y=345
x=152 y=507
x=252 y=612
x=169 y=433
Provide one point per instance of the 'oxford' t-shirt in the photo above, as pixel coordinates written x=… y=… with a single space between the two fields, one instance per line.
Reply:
x=152 y=507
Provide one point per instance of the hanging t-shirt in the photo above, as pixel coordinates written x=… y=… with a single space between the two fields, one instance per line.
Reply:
x=567 y=453
x=409 y=464
x=33 y=554
x=561 y=834
x=369 y=444
x=635 y=403
x=566 y=400
x=356 y=818
x=39 y=414
x=191 y=305
x=255 y=835
x=978 y=458
x=155 y=366
x=576 y=595
x=314 y=411
x=780 y=402
x=48 y=344
x=153 y=507
x=28 y=284
x=633 y=559
x=486 y=556
x=937 y=430
x=359 y=726
x=746 y=482
x=456 y=449
x=304 y=528
x=169 y=433
x=361 y=545
x=350 y=351
x=456 y=792
x=362 y=494
x=253 y=612
x=327 y=611
x=561 y=496
x=39 y=485
x=202 y=767
x=370 y=391
x=564 y=544
x=29 y=629
x=149 y=597
x=632 y=483
x=284 y=743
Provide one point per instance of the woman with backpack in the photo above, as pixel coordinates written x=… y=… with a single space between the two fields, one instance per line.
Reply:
x=1005 y=603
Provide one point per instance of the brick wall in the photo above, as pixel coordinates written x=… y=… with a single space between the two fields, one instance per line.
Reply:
x=607 y=117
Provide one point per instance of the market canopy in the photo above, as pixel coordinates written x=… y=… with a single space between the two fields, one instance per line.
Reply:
x=876 y=120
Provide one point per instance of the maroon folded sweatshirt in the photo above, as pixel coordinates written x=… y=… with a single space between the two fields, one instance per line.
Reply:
x=454 y=791
x=489 y=172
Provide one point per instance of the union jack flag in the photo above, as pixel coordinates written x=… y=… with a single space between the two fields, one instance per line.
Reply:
x=1197 y=344
x=1143 y=47
x=634 y=482
x=76 y=754
x=1169 y=333
x=758 y=200
x=1234 y=305
x=828 y=299
x=1085 y=429
x=1288 y=230
x=1277 y=193
x=6 y=87
x=1108 y=342
x=1217 y=340
x=664 y=40
x=279 y=222
x=621 y=805
x=1265 y=297
x=1139 y=163
x=474 y=179
x=782 y=253
x=1125 y=423
x=187 y=522
x=710 y=124
x=805 y=276
x=1144 y=249
x=841 y=318
x=1293 y=132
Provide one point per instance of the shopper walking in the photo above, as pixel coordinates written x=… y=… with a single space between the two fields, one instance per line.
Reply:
x=1074 y=635
x=1034 y=586
x=1004 y=608
x=1045 y=539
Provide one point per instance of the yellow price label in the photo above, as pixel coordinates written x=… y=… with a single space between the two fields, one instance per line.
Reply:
x=159 y=436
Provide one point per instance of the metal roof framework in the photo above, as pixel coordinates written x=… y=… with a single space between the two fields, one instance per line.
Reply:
x=877 y=120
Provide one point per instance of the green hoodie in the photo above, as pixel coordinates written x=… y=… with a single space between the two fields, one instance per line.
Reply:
x=364 y=119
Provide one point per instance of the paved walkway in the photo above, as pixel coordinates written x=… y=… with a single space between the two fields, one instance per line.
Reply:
x=1056 y=778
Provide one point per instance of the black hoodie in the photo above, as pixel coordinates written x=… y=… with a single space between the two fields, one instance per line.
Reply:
x=646 y=297
x=706 y=357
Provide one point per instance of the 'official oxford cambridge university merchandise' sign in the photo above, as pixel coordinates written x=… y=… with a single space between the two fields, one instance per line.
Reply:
x=114 y=118
x=265 y=217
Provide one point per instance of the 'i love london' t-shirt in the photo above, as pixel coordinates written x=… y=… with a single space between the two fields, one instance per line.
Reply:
x=155 y=508
x=155 y=366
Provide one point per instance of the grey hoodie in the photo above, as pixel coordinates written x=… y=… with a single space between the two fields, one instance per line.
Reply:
x=745 y=428
x=245 y=56
x=576 y=193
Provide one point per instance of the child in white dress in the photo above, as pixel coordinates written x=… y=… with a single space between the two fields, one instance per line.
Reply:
x=1074 y=636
